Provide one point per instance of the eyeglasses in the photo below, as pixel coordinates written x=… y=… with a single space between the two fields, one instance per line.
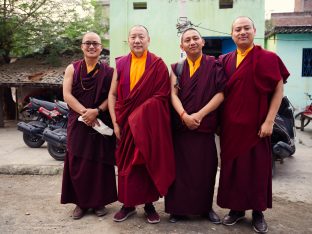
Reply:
x=89 y=43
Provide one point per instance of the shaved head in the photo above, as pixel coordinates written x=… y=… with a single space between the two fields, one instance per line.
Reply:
x=138 y=40
x=139 y=26
x=91 y=34
x=189 y=29
x=242 y=17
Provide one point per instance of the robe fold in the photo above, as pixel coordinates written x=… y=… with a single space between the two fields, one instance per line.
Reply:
x=144 y=154
x=89 y=176
x=245 y=177
x=195 y=150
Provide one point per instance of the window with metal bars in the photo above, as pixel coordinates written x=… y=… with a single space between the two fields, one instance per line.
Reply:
x=139 y=5
x=223 y=4
x=307 y=62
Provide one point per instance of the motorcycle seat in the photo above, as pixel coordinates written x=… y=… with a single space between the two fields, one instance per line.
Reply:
x=41 y=103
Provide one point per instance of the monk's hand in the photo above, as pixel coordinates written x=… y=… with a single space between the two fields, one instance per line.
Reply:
x=89 y=116
x=117 y=131
x=190 y=121
x=95 y=122
x=266 y=129
x=197 y=117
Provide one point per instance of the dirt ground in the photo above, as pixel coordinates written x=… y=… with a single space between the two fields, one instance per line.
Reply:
x=30 y=204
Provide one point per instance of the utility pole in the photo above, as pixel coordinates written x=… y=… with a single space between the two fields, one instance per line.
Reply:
x=182 y=15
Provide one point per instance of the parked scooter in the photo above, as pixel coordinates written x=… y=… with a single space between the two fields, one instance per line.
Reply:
x=304 y=117
x=283 y=137
x=56 y=138
x=47 y=116
x=30 y=111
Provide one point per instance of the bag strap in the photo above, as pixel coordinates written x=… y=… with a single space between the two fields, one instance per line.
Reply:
x=179 y=69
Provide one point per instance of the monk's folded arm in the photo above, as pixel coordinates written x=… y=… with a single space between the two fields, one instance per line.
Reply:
x=212 y=104
x=176 y=102
x=275 y=102
x=104 y=105
x=112 y=97
x=67 y=91
x=267 y=127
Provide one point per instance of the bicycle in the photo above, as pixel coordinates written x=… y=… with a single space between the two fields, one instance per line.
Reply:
x=303 y=118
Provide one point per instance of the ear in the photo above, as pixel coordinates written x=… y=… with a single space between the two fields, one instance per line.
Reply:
x=181 y=47
x=203 y=41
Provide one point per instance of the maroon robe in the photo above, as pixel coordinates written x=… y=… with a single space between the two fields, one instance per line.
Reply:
x=195 y=150
x=245 y=177
x=89 y=176
x=144 y=155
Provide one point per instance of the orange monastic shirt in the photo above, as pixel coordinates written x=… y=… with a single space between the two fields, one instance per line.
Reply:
x=194 y=66
x=90 y=68
x=137 y=68
x=241 y=56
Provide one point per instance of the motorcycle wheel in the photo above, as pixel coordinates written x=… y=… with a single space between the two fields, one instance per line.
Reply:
x=298 y=117
x=32 y=141
x=57 y=153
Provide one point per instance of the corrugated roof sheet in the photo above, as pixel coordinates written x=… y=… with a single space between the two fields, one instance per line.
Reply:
x=289 y=30
x=33 y=72
x=23 y=79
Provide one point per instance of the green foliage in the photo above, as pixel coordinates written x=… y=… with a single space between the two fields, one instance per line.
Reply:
x=54 y=59
x=105 y=43
x=51 y=27
x=101 y=21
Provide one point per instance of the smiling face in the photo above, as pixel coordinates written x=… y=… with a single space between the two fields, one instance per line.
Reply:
x=192 y=43
x=138 y=40
x=91 y=45
x=243 y=33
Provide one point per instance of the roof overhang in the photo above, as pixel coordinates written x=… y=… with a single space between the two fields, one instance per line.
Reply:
x=288 y=30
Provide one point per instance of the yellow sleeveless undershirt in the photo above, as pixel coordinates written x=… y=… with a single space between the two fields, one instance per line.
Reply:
x=137 y=68
x=241 y=56
x=90 y=68
x=194 y=66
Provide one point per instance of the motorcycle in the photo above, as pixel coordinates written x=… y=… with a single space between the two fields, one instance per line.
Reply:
x=30 y=111
x=304 y=117
x=56 y=138
x=47 y=116
x=283 y=136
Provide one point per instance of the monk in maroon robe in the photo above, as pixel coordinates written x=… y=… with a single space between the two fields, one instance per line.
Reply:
x=89 y=176
x=195 y=99
x=252 y=97
x=139 y=107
